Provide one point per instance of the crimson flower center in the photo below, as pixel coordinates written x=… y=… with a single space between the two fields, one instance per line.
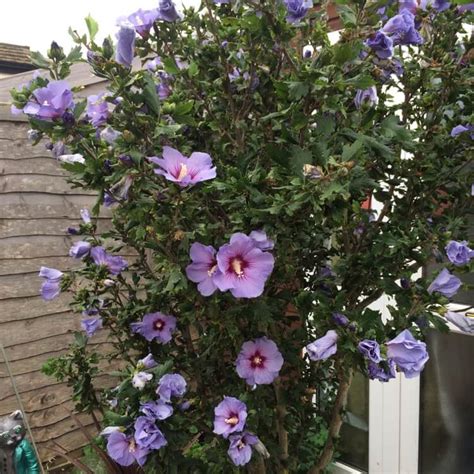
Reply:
x=232 y=420
x=158 y=325
x=257 y=361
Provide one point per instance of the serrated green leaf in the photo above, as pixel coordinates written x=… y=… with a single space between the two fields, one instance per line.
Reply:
x=150 y=95
x=92 y=26
x=39 y=60
x=74 y=55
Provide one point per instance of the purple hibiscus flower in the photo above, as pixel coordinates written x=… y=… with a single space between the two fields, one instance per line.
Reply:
x=244 y=268
x=340 y=319
x=114 y=263
x=125 y=45
x=85 y=216
x=171 y=385
x=91 y=325
x=50 y=102
x=118 y=192
x=367 y=96
x=459 y=253
x=297 y=9
x=109 y=135
x=182 y=170
x=458 y=129
x=154 y=64
x=464 y=323
x=204 y=268
x=437 y=5
x=370 y=350
x=167 y=11
x=80 y=249
x=445 y=283
x=147 y=362
x=147 y=434
x=382 y=371
x=409 y=355
x=259 y=362
x=261 y=240
x=240 y=448
x=410 y=5
x=140 y=379
x=51 y=286
x=142 y=21
x=230 y=416
x=158 y=410
x=124 y=450
x=155 y=326
x=97 y=110
x=381 y=44
x=401 y=28
x=324 y=347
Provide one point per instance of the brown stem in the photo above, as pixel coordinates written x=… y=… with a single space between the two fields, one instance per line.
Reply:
x=345 y=381
x=280 y=422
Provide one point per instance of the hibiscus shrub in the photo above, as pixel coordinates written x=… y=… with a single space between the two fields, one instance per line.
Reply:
x=268 y=184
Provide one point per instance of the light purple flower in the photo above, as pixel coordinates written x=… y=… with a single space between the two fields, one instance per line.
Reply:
x=79 y=249
x=437 y=5
x=340 y=319
x=182 y=170
x=91 y=325
x=204 y=268
x=125 y=45
x=381 y=44
x=410 y=5
x=445 y=283
x=114 y=263
x=382 y=371
x=155 y=326
x=367 y=96
x=244 y=268
x=467 y=7
x=261 y=240
x=97 y=109
x=240 y=448
x=459 y=253
x=297 y=9
x=147 y=434
x=142 y=21
x=158 y=410
x=140 y=379
x=109 y=135
x=464 y=323
x=370 y=350
x=409 y=354
x=124 y=450
x=401 y=29
x=230 y=416
x=167 y=11
x=50 y=102
x=259 y=361
x=85 y=216
x=458 y=129
x=171 y=385
x=324 y=347
x=147 y=362
x=51 y=286
x=119 y=191
x=153 y=64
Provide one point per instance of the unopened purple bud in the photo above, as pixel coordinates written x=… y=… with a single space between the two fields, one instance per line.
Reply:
x=340 y=319
x=126 y=160
x=184 y=406
x=72 y=231
x=32 y=135
x=68 y=119
x=224 y=44
x=405 y=283
x=49 y=146
x=352 y=327
x=108 y=166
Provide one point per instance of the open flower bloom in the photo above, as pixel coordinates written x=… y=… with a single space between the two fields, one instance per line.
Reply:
x=230 y=416
x=51 y=287
x=142 y=20
x=147 y=362
x=167 y=11
x=79 y=249
x=297 y=9
x=91 y=325
x=124 y=450
x=244 y=268
x=140 y=379
x=409 y=355
x=259 y=361
x=182 y=170
x=204 y=268
x=459 y=253
x=324 y=347
x=50 y=102
x=114 y=263
x=147 y=434
x=402 y=30
x=261 y=240
x=240 y=448
x=366 y=96
x=125 y=45
x=158 y=410
x=464 y=323
x=97 y=109
x=370 y=350
x=445 y=283
x=383 y=371
x=157 y=326
x=171 y=385
x=381 y=44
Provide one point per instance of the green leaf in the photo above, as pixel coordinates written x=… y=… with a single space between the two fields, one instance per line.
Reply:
x=299 y=158
x=347 y=15
x=345 y=52
x=297 y=90
x=170 y=66
x=150 y=95
x=79 y=108
x=92 y=26
x=350 y=150
x=193 y=69
x=74 y=55
x=39 y=60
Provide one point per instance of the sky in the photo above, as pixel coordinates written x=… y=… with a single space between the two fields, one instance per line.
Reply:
x=35 y=23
